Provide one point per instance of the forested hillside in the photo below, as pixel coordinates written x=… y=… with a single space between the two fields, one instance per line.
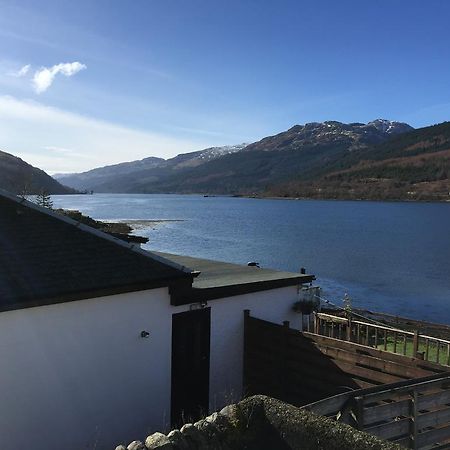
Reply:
x=414 y=165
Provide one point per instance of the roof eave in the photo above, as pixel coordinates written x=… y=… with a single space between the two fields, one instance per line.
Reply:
x=130 y=246
x=176 y=286
x=220 y=292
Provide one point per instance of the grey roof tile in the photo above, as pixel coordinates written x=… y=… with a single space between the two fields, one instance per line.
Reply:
x=46 y=259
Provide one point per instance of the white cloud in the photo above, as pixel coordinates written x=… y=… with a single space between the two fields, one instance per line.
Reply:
x=60 y=141
x=43 y=78
x=21 y=72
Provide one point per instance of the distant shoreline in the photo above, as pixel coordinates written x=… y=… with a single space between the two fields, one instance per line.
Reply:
x=389 y=200
x=264 y=197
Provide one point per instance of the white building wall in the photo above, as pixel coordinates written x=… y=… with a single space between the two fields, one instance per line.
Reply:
x=79 y=376
x=227 y=337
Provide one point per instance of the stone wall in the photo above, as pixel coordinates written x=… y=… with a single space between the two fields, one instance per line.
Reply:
x=262 y=423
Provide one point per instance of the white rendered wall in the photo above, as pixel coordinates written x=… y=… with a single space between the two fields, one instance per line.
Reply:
x=78 y=375
x=227 y=337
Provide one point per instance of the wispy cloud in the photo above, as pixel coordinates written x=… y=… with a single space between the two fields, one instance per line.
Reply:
x=44 y=77
x=21 y=72
x=62 y=152
x=61 y=141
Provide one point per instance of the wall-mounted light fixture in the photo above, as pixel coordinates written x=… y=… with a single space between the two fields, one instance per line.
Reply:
x=199 y=305
x=145 y=334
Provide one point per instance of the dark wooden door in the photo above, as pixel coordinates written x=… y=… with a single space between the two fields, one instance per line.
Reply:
x=190 y=365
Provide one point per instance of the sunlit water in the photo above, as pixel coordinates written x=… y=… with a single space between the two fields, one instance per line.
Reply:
x=392 y=257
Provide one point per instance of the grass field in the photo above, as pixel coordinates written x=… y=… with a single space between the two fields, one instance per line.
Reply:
x=408 y=350
x=433 y=349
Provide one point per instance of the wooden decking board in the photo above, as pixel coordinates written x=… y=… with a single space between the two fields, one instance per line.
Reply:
x=388 y=388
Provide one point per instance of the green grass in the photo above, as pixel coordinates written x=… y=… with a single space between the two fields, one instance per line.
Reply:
x=359 y=336
x=432 y=349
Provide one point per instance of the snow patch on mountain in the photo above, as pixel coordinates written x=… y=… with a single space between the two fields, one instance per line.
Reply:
x=216 y=152
x=389 y=126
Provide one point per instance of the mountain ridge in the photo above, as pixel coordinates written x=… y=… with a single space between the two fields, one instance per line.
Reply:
x=377 y=160
x=19 y=177
x=303 y=152
x=217 y=169
x=120 y=175
x=410 y=166
x=332 y=131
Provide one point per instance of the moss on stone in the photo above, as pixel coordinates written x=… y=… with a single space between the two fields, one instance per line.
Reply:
x=264 y=420
x=264 y=423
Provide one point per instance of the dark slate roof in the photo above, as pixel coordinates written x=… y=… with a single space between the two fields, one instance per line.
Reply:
x=48 y=258
x=221 y=279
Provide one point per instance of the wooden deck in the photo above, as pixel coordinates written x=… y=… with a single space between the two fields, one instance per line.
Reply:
x=394 y=396
x=389 y=338
x=301 y=368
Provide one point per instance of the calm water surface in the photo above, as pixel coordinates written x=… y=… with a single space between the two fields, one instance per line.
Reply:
x=392 y=257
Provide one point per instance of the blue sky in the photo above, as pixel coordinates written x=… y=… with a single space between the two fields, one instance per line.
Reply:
x=161 y=77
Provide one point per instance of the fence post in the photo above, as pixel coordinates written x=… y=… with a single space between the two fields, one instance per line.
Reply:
x=316 y=323
x=448 y=355
x=413 y=420
x=359 y=413
x=349 y=328
x=415 y=343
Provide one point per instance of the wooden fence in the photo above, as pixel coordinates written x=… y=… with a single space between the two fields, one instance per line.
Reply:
x=414 y=413
x=301 y=368
x=404 y=342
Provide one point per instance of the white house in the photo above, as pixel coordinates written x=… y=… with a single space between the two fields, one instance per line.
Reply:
x=101 y=341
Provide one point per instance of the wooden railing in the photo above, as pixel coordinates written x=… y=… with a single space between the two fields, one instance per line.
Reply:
x=393 y=396
x=301 y=368
x=413 y=413
x=385 y=338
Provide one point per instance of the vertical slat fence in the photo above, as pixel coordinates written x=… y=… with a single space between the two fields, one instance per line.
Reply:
x=408 y=343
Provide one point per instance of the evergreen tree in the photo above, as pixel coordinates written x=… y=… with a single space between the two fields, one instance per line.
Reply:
x=44 y=199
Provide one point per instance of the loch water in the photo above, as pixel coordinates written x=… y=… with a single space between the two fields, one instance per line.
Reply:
x=388 y=256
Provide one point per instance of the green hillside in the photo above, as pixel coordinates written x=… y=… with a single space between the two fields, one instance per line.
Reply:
x=411 y=166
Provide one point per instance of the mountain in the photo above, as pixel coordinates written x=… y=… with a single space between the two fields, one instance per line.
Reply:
x=95 y=177
x=122 y=177
x=410 y=166
x=304 y=152
x=18 y=177
x=381 y=159
x=331 y=133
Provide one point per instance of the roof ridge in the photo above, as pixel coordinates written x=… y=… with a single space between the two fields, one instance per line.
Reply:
x=100 y=234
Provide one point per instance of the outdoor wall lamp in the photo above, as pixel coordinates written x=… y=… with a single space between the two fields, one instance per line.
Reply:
x=199 y=305
x=145 y=334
